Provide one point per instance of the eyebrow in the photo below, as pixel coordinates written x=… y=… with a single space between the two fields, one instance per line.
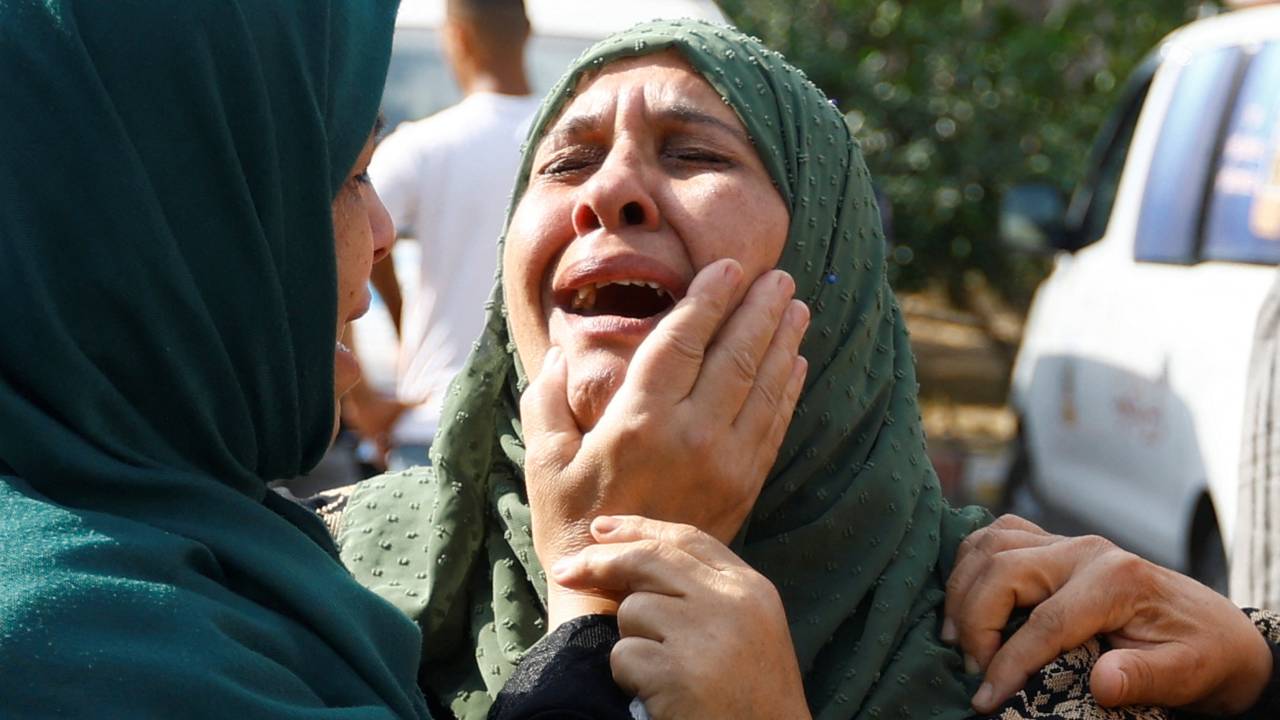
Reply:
x=678 y=112
x=692 y=116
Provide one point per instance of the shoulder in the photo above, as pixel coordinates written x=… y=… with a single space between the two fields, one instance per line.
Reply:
x=94 y=624
x=435 y=130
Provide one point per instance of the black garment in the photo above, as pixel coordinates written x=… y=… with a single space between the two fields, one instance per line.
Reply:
x=566 y=676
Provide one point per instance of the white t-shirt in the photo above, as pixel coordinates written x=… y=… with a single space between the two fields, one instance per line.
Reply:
x=446 y=180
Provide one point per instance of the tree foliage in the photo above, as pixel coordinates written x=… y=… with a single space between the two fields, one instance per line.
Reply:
x=956 y=100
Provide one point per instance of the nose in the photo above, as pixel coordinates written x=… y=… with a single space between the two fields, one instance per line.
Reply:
x=381 y=226
x=616 y=197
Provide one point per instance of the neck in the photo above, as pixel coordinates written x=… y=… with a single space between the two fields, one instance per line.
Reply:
x=502 y=82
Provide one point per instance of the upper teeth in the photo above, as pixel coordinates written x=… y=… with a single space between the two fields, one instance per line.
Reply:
x=585 y=297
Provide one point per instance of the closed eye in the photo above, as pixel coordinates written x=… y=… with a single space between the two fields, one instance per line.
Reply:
x=697 y=155
x=572 y=160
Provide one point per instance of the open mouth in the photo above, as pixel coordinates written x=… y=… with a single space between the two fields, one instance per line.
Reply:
x=637 y=299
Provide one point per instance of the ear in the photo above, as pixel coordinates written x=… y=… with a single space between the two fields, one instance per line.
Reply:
x=457 y=38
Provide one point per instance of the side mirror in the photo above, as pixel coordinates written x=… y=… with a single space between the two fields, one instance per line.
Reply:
x=1032 y=219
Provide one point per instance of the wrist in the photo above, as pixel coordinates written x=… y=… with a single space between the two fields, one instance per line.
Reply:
x=565 y=604
x=1254 y=678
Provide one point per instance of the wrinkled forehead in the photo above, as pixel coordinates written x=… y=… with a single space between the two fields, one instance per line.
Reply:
x=662 y=86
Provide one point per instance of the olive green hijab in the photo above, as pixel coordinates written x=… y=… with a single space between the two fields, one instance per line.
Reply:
x=850 y=526
x=167 y=275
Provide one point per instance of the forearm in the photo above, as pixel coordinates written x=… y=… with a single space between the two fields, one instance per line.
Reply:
x=387 y=284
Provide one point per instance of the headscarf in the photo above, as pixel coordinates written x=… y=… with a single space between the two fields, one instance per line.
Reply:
x=850 y=526
x=167 y=274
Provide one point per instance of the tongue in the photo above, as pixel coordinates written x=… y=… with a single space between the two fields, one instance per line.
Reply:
x=631 y=301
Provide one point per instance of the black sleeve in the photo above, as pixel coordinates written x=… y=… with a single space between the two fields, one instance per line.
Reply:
x=566 y=676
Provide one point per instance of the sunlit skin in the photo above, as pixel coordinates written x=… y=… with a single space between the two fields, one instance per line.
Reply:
x=363 y=234
x=647 y=175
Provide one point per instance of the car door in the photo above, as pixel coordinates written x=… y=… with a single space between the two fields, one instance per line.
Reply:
x=1126 y=439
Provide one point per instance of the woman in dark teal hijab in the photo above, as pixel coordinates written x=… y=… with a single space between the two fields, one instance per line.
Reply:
x=172 y=177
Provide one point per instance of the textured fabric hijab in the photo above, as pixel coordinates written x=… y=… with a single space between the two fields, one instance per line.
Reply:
x=850 y=526
x=168 y=281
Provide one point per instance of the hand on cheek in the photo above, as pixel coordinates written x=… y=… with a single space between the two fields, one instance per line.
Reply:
x=692 y=432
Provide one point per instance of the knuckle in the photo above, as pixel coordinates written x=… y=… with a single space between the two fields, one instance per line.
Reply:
x=1047 y=620
x=529 y=399
x=1007 y=521
x=1125 y=564
x=681 y=535
x=743 y=363
x=646 y=549
x=769 y=395
x=684 y=347
x=629 y=430
x=1139 y=676
x=701 y=442
x=978 y=544
x=630 y=606
x=1094 y=544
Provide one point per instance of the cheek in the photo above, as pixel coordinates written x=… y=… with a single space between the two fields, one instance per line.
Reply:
x=747 y=223
x=524 y=303
x=352 y=245
x=536 y=238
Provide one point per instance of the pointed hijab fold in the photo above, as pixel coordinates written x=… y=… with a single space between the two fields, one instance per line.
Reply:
x=851 y=525
x=167 y=272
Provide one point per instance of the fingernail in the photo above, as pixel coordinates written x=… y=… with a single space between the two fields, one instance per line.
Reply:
x=605 y=524
x=553 y=355
x=798 y=314
x=982 y=700
x=562 y=567
x=948 y=632
x=731 y=270
x=971 y=665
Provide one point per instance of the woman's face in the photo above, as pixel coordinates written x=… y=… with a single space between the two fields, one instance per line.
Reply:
x=363 y=234
x=646 y=177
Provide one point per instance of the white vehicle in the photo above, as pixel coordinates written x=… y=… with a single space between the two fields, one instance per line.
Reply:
x=1130 y=382
x=419 y=84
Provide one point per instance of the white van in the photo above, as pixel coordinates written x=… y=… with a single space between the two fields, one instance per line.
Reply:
x=1130 y=381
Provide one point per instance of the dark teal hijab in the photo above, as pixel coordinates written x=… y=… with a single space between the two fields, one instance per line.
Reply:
x=168 y=279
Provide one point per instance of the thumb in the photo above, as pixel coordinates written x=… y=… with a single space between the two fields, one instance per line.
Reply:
x=666 y=365
x=551 y=434
x=1161 y=675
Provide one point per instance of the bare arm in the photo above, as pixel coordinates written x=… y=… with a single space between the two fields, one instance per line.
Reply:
x=388 y=286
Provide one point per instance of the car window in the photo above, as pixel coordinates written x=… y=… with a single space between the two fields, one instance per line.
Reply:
x=1091 y=205
x=1243 y=222
x=419 y=82
x=1168 y=223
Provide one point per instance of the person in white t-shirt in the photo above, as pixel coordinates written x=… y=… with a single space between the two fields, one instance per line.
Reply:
x=446 y=180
